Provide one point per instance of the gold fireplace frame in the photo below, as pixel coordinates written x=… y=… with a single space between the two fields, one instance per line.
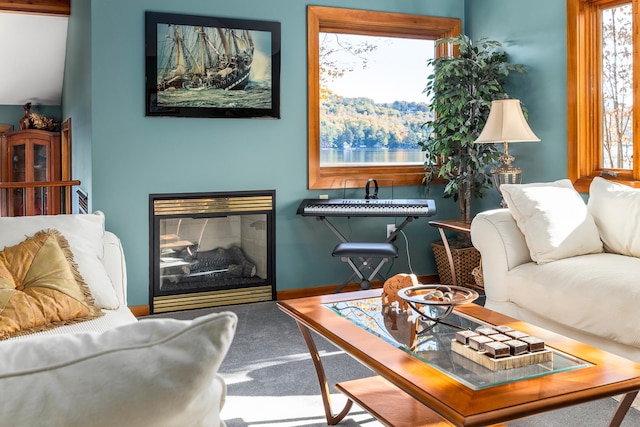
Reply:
x=216 y=204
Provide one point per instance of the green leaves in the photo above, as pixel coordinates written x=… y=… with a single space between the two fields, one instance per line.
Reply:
x=461 y=90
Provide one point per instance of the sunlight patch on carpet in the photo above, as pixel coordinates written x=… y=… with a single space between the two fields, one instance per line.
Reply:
x=241 y=375
x=289 y=411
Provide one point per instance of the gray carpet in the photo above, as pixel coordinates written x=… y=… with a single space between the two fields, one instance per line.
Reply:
x=271 y=380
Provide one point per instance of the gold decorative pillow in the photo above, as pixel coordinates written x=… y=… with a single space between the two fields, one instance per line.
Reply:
x=40 y=286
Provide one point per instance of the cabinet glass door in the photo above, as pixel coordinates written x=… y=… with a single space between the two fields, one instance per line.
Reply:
x=29 y=163
x=40 y=161
x=18 y=162
x=40 y=156
x=18 y=173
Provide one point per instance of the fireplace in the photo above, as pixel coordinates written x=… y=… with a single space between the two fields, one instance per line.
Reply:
x=211 y=249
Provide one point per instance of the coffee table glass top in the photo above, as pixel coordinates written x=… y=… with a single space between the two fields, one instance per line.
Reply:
x=432 y=344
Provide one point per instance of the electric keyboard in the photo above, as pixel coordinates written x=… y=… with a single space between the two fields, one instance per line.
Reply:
x=367 y=207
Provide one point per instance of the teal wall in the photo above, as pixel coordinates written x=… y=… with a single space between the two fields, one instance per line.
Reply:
x=11 y=114
x=76 y=91
x=131 y=156
x=533 y=34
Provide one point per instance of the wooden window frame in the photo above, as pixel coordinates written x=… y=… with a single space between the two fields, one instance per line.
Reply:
x=584 y=110
x=363 y=22
x=47 y=7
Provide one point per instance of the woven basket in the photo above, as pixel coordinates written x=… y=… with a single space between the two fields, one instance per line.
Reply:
x=464 y=261
x=478 y=276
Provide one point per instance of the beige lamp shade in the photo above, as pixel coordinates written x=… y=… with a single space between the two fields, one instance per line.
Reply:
x=506 y=123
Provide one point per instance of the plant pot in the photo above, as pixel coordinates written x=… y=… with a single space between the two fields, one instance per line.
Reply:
x=465 y=260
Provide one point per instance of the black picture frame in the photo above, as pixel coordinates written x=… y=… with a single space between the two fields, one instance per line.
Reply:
x=227 y=67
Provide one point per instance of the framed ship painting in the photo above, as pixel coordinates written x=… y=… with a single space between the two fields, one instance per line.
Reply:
x=198 y=66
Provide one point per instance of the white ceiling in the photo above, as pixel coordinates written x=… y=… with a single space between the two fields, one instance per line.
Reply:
x=32 y=51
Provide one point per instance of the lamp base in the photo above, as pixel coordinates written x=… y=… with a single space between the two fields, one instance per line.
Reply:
x=505 y=174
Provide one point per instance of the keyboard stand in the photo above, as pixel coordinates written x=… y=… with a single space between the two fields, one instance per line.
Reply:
x=343 y=239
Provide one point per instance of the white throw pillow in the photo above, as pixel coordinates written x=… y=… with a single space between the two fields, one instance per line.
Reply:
x=616 y=211
x=84 y=234
x=156 y=372
x=554 y=219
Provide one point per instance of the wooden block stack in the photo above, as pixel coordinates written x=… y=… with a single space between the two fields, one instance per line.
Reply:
x=500 y=348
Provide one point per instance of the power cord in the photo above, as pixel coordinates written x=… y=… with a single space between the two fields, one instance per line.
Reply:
x=406 y=241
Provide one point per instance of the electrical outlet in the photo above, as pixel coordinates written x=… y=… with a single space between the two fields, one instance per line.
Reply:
x=390 y=229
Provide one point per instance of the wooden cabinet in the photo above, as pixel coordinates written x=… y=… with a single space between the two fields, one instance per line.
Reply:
x=32 y=157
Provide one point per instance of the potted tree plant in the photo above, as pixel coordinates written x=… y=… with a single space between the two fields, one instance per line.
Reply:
x=460 y=90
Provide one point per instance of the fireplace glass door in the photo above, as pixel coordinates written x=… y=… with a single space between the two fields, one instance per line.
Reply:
x=219 y=252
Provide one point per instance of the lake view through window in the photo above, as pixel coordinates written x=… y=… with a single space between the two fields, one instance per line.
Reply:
x=372 y=105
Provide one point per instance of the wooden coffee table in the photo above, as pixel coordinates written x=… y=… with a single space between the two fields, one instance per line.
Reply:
x=426 y=384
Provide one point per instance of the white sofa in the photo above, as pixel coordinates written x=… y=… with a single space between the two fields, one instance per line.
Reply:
x=113 y=369
x=568 y=266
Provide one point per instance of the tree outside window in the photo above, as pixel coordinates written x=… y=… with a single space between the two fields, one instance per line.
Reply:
x=617 y=81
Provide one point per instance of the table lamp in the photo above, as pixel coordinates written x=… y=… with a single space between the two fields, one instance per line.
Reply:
x=506 y=123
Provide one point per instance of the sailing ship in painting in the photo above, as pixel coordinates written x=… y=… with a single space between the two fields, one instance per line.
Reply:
x=205 y=58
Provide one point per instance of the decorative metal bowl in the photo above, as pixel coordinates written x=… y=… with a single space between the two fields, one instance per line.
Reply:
x=435 y=302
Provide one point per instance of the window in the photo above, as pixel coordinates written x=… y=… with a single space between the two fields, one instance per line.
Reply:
x=360 y=29
x=602 y=67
